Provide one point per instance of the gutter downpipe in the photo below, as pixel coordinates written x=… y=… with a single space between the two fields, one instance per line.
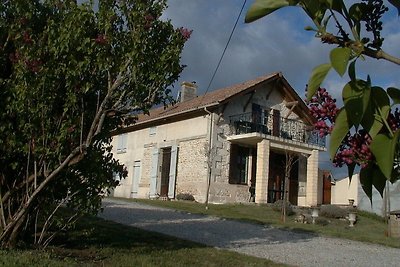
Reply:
x=209 y=154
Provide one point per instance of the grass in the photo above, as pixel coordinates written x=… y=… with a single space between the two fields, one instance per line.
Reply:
x=97 y=242
x=369 y=227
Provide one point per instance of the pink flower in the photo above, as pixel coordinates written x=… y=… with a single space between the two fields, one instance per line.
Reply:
x=185 y=33
x=149 y=18
x=27 y=38
x=101 y=39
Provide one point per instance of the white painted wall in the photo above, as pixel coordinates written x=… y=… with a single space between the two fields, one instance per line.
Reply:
x=140 y=143
x=342 y=191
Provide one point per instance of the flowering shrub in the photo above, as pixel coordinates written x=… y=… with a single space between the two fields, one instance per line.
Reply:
x=355 y=147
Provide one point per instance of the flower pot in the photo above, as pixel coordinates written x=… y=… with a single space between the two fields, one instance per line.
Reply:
x=352 y=218
x=314 y=214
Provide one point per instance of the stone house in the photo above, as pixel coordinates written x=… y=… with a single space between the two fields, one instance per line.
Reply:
x=229 y=145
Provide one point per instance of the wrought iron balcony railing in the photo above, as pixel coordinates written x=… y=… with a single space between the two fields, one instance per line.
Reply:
x=276 y=126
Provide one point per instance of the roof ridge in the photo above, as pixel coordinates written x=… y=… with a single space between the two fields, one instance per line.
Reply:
x=209 y=98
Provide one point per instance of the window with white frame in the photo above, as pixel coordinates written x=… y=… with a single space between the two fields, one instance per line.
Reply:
x=122 y=143
x=152 y=131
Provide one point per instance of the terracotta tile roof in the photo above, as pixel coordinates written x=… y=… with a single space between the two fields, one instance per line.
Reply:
x=213 y=98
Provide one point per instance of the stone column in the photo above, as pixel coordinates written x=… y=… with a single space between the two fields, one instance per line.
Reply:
x=262 y=171
x=312 y=179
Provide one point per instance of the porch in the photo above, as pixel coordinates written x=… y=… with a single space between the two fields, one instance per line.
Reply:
x=274 y=125
x=271 y=139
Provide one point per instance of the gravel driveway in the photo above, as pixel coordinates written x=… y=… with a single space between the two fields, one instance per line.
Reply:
x=299 y=249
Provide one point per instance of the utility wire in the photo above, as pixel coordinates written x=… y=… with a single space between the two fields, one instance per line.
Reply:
x=226 y=46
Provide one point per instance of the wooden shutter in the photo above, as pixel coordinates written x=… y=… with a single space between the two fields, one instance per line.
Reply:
x=135 y=178
x=154 y=173
x=172 y=171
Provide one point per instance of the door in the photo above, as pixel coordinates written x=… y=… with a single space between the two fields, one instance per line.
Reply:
x=276 y=125
x=135 y=178
x=326 y=196
x=276 y=180
x=165 y=169
x=154 y=173
x=256 y=111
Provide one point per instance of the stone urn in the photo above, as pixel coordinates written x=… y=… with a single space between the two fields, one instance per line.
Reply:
x=352 y=218
x=314 y=214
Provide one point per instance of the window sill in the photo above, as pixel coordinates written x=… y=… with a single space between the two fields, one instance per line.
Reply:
x=244 y=184
x=121 y=151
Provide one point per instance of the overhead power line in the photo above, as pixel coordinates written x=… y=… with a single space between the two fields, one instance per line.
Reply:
x=226 y=46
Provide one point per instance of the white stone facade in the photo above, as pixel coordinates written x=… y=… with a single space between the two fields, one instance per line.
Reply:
x=194 y=154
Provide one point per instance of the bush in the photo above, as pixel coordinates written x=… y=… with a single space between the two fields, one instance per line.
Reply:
x=321 y=221
x=332 y=211
x=185 y=196
x=277 y=206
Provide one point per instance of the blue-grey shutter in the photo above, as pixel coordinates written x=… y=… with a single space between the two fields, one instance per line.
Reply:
x=154 y=173
x=122 y=143
x=172 y=172
x=135 y=178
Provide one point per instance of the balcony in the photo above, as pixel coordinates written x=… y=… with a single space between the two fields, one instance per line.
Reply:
x=277 y=126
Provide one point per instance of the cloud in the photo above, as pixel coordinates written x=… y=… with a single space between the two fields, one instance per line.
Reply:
x=269 y=45
x=274 y=43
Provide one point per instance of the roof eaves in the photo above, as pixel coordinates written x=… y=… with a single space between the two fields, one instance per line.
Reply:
x=271 y=78
x=159 y=118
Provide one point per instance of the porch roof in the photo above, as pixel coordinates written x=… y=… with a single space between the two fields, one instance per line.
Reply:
x=251 y=139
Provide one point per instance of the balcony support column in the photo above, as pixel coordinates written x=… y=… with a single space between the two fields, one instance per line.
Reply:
x=262 y=171
x=312 y=179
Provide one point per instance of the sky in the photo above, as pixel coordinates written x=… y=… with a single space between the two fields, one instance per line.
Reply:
x=276 y=43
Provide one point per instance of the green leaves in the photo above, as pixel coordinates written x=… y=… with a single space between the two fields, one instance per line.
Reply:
x=394 y=94
x=261 y=8
x=340 y=58
x=62 y=62
x=377 y=111
x=317 y=77
x=383 y=147
x=336 y=5
x=342 y=127
x=366 y=108
x=356 y=96
x=314 y=9
x=372 y=176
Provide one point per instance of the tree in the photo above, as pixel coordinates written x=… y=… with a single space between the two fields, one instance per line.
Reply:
x=70 y=73
x=367 y=108
x=290 y=161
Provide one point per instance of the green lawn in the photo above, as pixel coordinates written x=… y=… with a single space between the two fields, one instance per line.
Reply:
x=369 y=227
x=96 y=242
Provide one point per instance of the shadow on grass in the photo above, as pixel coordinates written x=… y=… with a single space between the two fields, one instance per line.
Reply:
x=93 y=232
x=213 y=231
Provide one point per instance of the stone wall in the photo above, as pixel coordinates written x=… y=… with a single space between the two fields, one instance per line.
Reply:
x=192 y=168
x=220 y=189
x=144 y=184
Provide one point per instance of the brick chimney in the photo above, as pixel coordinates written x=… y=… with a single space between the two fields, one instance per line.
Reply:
x=188 y=91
